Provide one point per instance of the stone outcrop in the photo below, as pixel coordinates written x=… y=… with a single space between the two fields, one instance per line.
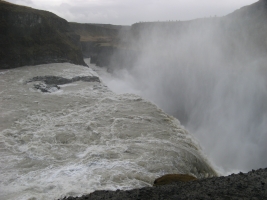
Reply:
x=252 y=185
x=51 y=83
x=30 y=37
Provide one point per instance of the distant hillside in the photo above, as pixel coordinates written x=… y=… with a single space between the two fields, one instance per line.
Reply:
x=246 y=31
x=96 y=32
x=99 y=41
x=29 y=37
x=238 y=37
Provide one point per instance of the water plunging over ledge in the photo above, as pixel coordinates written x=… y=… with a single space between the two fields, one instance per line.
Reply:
x=79 y=136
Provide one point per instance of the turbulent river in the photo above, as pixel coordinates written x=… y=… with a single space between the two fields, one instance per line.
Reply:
x=78 y=136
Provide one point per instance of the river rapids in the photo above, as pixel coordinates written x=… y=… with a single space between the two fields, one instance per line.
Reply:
x=76 y=137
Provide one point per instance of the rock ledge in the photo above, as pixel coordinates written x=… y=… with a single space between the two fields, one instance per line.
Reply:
x=251 y=185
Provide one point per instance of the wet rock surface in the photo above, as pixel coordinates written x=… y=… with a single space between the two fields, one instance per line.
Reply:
x=252 y=185
x=51 y=83
x=61 y=81
x=46 y=88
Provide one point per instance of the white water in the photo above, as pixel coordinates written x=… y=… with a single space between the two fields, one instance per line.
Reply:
x=84 y=137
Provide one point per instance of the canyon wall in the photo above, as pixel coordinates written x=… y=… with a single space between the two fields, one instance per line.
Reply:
x=31 y=37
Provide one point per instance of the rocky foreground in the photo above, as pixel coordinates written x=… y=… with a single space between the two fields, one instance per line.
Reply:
x=252 y=185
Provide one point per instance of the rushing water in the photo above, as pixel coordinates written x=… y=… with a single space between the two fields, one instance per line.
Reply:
x=83 y=137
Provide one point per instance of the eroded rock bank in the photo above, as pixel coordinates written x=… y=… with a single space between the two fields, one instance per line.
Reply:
x=252 y=185
x=30 y=37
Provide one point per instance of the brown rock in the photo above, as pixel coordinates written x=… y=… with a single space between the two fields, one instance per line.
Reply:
x=170 y=178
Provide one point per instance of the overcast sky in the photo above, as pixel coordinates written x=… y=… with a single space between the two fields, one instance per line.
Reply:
x=127 y=12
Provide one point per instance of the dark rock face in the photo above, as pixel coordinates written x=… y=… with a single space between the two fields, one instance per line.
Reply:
x=103 y=43
x=30 y=37
x=102 y=55
x=50 y=83
x=88 y=48
x=252 y=185
x=114 y=57
x=94 y=35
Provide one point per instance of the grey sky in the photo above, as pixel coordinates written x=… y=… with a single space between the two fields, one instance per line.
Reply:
x=127 y=12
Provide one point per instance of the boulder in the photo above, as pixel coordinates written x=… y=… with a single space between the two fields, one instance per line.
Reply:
x=171 y=178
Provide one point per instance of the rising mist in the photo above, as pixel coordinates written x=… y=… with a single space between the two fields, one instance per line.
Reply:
x=209 y=73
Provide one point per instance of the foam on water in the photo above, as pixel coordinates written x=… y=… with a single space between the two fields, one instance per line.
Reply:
x=84 y=137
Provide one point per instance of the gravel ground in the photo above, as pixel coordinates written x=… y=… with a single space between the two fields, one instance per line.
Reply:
x=251 y=185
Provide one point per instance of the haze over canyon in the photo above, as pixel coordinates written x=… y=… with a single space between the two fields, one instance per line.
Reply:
x=91 y=106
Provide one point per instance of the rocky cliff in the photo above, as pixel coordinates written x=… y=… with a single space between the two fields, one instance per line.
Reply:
x=103 y=43
x=94 y=36
x=29 y=37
